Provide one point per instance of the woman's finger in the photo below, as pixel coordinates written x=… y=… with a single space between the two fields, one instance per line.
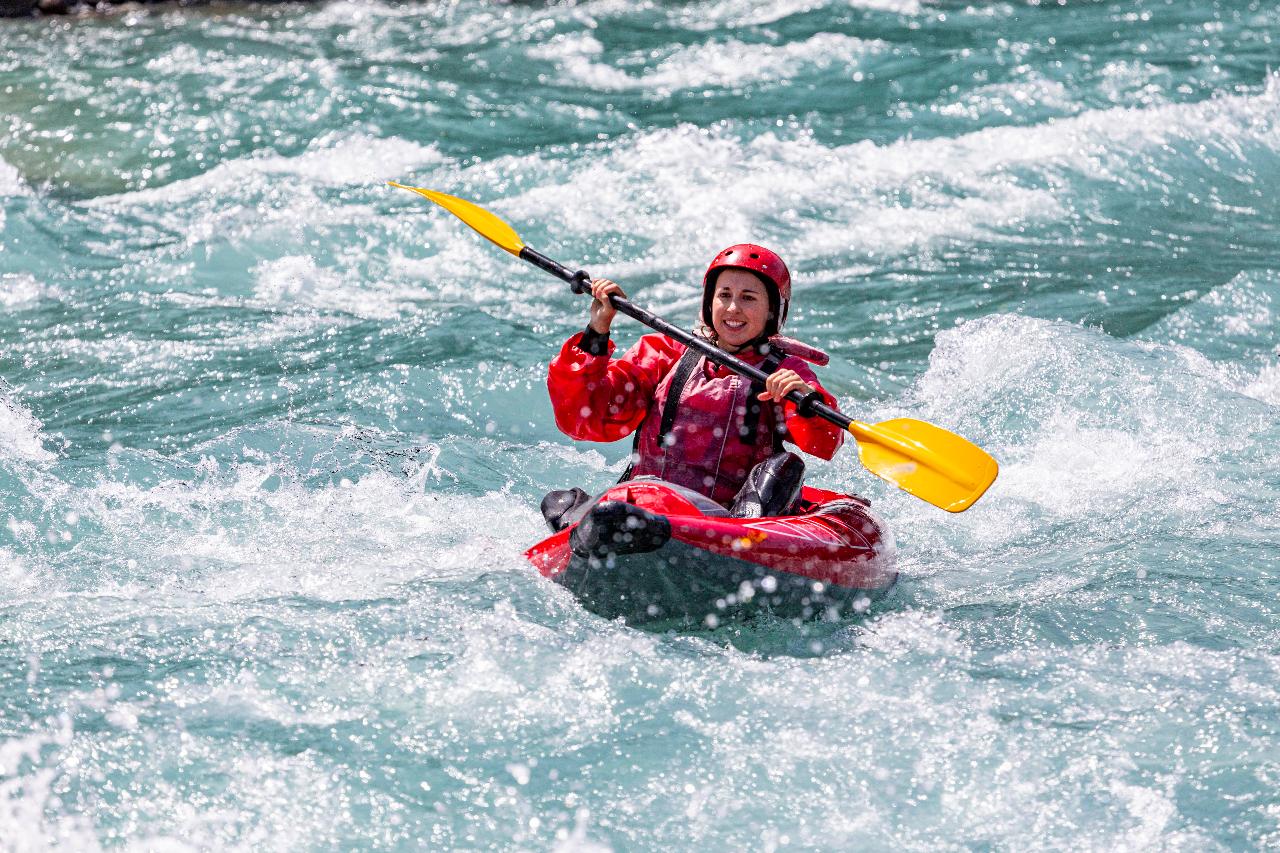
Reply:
x=782 y=383
x=601 y=289
x=772 y=389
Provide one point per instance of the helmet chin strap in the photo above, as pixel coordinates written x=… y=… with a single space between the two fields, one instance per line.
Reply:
x=754 y=343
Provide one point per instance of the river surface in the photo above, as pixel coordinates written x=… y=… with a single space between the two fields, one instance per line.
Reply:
x=273 y=435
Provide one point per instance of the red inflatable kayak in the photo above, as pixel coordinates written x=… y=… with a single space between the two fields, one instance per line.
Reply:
x=649 y=551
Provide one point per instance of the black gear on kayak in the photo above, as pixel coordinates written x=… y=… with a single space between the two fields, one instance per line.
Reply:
x=616 y=527
x=564 y=507
x=772 y=488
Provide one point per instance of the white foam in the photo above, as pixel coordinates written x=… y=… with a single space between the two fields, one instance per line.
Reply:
x=724 y=64
x=244 y=696
x=346 y=13
x=20 y=436
x=690 y=189
x=914 y=633
x=470 y=26
x=19 y=291
x=11 y=183
x=269 y=199
x=1154 y=811
x=727 y=14
x=36 y=815
x=296 y=281
x=1266 y=385
x=1028 y=372
x=332 y=160
x=31 y=813
x=1098 y=440
x=574 y=55
x=578 y=839
x=1230 y=333
x=1243 y=313
x=1032 y=91
x=1133 y=82
x=17 y=575
x=1077 y=472
x=245 y=516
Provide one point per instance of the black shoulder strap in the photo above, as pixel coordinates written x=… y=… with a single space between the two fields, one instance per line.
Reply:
x=683 y=370
x=747 y=432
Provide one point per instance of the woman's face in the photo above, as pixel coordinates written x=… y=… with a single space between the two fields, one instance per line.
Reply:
x=739 y=307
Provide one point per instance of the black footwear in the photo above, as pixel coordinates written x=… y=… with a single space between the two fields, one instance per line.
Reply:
x=772 y=488
x=561 y=507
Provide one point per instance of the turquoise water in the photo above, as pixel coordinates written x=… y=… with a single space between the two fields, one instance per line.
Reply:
x=272 y=435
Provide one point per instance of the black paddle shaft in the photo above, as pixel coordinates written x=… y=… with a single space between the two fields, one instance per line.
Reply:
x=807 y=404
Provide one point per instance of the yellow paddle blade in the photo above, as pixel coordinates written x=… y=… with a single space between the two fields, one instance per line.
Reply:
x=926 y=461
x=485 y=223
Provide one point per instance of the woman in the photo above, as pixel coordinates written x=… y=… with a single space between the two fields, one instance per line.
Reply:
x=699 y=425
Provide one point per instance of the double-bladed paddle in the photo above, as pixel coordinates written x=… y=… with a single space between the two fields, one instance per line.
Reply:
x=924 y=460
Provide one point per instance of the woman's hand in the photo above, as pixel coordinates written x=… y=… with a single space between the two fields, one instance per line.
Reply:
x=602 y=311
x=782 y=383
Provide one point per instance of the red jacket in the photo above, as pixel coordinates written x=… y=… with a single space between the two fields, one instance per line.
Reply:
x=596 y=398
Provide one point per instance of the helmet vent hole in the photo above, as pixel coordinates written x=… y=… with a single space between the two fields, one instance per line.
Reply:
x=754 y=256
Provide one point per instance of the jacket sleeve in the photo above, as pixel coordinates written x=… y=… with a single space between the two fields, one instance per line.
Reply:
x=812 y=435
x=598 y=398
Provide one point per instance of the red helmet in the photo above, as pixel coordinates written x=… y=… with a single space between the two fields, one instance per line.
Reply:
x=764 y=263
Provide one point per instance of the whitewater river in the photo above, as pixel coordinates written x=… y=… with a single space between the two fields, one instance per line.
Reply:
x=272 y=435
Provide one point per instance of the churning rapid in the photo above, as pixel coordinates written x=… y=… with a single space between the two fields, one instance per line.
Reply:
x=272 y=435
